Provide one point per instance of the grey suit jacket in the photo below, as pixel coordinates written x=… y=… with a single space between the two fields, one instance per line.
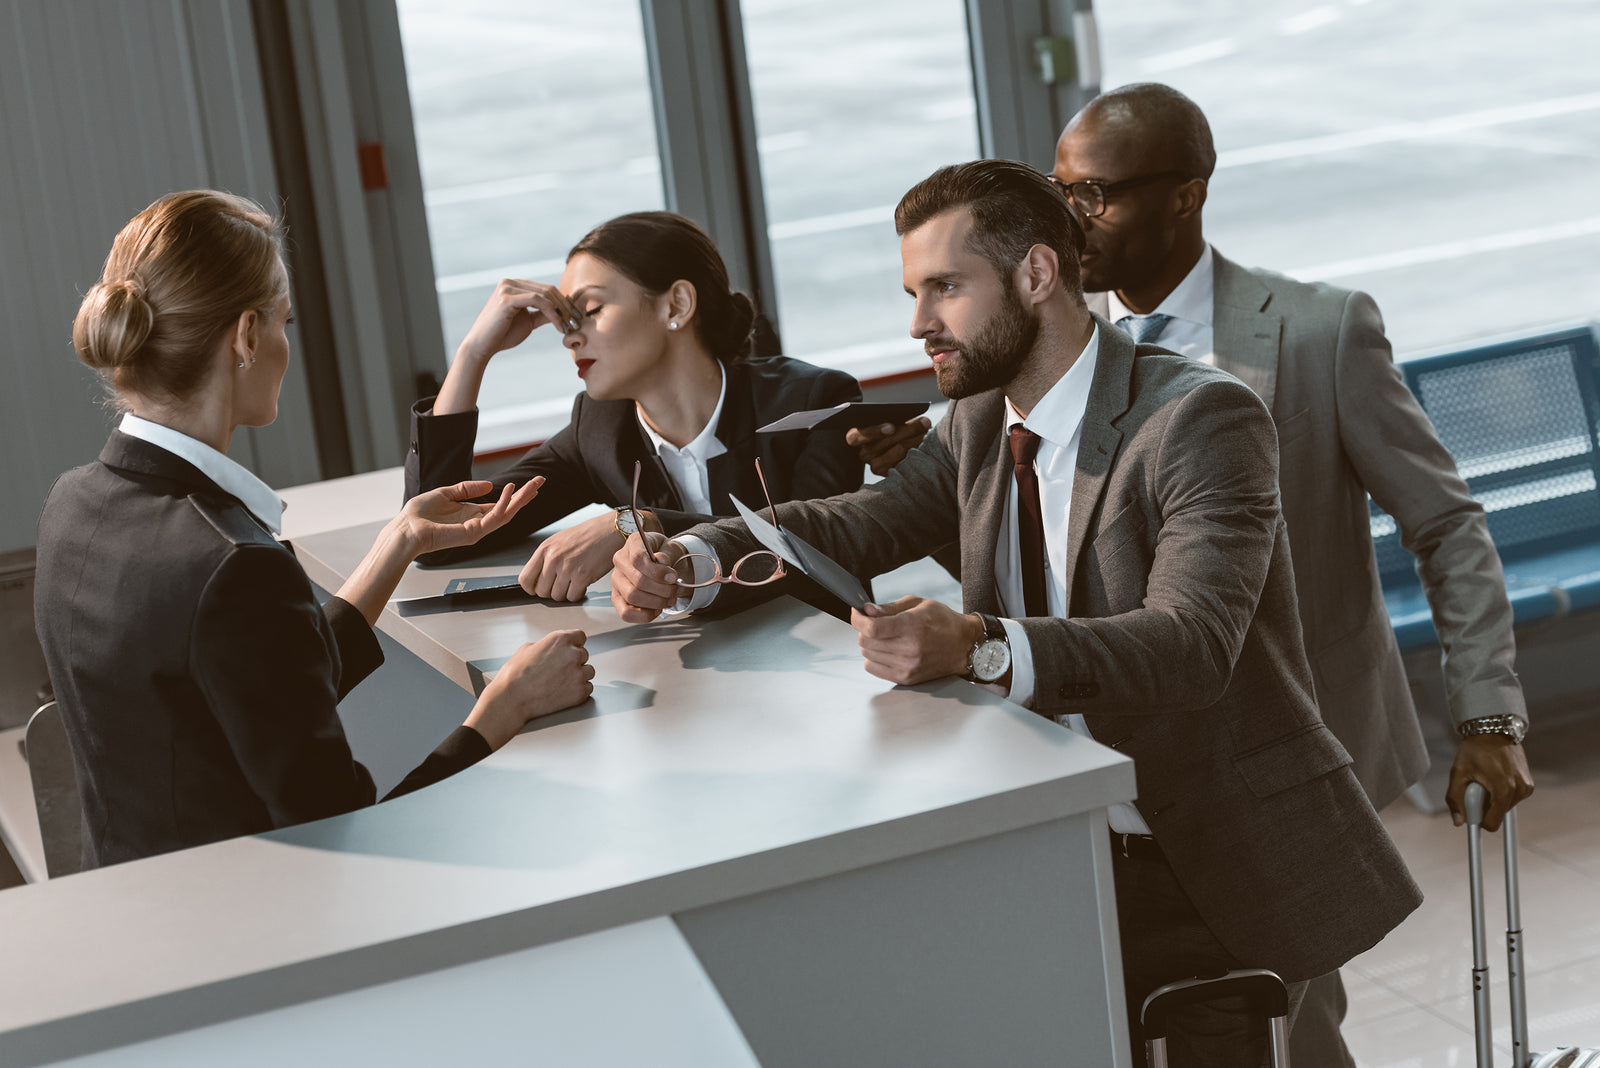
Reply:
x=1181 y=644
x=1349 y=427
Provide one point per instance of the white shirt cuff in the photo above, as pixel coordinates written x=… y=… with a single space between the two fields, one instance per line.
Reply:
x=703 y=570
x=1022 y=681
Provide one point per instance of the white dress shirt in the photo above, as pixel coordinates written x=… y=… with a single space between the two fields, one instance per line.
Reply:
x=1058 y=420
x=687 y=466
x=1191 y=306
x=688 y=469
x=253 y=493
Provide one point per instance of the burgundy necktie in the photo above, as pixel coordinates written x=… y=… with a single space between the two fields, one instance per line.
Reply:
x=1030 y=521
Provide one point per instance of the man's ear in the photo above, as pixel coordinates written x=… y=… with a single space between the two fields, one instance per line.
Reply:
x=1038 y=275
x=682 y=301
x=1188 y=198
x=244 y=337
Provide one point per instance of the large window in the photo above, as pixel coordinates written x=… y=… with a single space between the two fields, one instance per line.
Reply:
x=854 y=103
x=534 y=123
x=1440 y=156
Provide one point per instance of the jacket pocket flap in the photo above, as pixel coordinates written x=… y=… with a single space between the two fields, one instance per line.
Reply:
x=1300 y=757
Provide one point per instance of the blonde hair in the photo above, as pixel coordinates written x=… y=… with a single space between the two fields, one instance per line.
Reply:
x=178 y=277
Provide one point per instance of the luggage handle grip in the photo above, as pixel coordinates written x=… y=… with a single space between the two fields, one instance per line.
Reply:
x=1475 y=803
x=1262 y=988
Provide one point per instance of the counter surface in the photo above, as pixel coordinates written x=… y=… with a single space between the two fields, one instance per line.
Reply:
x=718 y=759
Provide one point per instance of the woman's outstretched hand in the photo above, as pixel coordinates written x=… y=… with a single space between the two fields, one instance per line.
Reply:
x=447 y=517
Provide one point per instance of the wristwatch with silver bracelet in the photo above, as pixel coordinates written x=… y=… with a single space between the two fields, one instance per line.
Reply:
x=1511 y=726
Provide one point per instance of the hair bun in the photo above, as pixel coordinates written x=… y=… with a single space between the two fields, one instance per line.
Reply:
x=739 y=326
x=114 y=322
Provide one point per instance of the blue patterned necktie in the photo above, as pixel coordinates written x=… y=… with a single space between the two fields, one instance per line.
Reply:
x=1144 y=328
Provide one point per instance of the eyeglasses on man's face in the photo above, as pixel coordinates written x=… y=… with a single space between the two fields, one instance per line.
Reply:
x=752 y=569
x=1088 y=197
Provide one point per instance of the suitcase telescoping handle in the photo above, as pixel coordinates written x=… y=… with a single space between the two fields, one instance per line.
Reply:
x=1475 y=803
x=1260 y=987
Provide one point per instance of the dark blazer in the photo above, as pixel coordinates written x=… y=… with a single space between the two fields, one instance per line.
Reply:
x=590 y=460
x=196 y=675
x=1348 y=427
x=1181 y=643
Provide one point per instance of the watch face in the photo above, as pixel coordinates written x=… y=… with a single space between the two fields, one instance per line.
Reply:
x=990 y=660
x=625 y=522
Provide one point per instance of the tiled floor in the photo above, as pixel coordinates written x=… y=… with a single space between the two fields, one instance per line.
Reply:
x=1410 y=996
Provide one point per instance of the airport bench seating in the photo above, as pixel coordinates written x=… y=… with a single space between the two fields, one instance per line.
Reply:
x=1520 y=417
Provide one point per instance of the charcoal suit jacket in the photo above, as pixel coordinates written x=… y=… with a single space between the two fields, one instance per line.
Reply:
x=196 y=675
x=590 y=460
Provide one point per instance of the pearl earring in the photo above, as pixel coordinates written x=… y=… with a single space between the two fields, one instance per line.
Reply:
x=672 y=326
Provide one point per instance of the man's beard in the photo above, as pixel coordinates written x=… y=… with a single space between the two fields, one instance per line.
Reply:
x=995 y=353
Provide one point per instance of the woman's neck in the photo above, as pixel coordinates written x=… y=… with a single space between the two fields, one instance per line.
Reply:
x=683 y=394
x=204 y=416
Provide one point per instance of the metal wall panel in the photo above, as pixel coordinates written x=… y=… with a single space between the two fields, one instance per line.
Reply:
x=104 y=108
x=1019 y=115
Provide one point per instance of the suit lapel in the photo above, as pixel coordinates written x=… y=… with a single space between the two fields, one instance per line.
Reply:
x=1109 y=397
x=725 y=475
x=656 y=488
x=985 y=509
x=1245 y=335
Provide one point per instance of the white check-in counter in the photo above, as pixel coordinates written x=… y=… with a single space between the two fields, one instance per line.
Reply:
x=743 y=850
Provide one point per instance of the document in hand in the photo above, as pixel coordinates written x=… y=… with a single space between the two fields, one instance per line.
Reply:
x=805 y=558
x=846 y=415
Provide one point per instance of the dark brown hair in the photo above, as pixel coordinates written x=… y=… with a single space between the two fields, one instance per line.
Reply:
x=654 y=249
x=1013 y=208
x=178 y=277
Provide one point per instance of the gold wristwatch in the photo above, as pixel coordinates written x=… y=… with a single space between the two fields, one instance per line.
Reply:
x=622 y=519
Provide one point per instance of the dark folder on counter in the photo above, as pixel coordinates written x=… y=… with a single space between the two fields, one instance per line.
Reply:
x=844 y=416
x=486 y=586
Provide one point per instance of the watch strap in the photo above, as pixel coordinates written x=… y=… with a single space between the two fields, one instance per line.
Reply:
x=1510 y=725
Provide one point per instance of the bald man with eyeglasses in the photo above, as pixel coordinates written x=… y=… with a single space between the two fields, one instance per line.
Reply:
x=1135 y=163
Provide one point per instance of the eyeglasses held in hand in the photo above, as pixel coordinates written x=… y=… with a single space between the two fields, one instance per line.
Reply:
x=748 y=570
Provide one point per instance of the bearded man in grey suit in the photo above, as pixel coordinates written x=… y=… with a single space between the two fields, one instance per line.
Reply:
x=1134 y=163
x=1117 y=508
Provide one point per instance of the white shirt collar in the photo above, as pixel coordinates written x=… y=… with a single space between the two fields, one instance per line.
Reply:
x=255 y=494
x=1059 y=413
x=1191 y=300
x=706 y=444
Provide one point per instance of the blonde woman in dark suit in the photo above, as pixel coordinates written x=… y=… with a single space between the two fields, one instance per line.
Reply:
x=196 y=674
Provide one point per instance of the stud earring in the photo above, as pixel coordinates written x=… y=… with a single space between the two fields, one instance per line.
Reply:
x=672 y=326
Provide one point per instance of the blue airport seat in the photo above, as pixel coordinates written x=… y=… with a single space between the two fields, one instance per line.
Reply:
x=1522 y=419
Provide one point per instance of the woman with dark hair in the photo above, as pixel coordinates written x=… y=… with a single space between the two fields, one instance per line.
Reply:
x=196 y=674
x=663 y=348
